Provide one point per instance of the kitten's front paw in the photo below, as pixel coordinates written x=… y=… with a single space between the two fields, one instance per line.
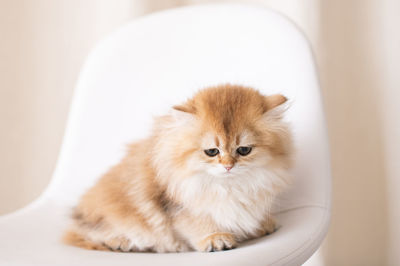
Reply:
x=173 y=246
x=217 y=242
x=181 y=247
x=119 y=243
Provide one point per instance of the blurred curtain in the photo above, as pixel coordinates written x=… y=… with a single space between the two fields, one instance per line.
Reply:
x=356 y=44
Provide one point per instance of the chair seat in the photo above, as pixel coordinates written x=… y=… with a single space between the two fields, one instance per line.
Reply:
x=32 y=237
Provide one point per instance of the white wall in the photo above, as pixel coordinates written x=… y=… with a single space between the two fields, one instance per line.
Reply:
x=356 y=43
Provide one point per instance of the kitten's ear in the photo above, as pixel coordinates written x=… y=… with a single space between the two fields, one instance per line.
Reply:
x=276 y=105
x=184 y=112
x=274 y=100
x=187 y=107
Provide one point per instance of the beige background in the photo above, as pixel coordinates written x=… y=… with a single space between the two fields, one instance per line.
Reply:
x=357 y=45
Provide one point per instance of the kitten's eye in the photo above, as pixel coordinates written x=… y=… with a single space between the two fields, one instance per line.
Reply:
x=243 y=150
x=211 y=152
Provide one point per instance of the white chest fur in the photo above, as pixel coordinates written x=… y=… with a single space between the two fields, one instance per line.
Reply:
x=238 y=203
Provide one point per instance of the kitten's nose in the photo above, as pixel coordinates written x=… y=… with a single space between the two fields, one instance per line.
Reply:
x=228 y=167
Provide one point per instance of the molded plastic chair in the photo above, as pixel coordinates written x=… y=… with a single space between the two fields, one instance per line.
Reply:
x=141 y=70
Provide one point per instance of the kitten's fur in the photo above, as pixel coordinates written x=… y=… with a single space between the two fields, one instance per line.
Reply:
x=167 y=195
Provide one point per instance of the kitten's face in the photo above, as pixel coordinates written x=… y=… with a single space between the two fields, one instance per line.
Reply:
x=220 y=156
x=232 y=133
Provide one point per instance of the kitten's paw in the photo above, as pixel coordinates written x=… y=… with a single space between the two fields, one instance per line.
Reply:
x=173 y=247
x=217 y=242
x=270 y=226
x=180 y=247
x=119 y=243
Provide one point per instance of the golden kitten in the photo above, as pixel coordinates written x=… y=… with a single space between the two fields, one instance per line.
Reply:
x=204 y=180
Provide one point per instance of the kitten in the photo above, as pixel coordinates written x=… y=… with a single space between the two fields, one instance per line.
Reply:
x=204 y=180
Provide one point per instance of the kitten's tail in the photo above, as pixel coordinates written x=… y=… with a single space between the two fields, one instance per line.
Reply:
x=75 y=239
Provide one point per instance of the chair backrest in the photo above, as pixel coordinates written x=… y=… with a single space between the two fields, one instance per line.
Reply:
x=160 y=60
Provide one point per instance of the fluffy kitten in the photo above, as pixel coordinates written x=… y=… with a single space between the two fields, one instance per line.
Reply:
x=203 y=180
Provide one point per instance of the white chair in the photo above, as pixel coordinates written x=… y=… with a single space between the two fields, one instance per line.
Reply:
x=141 y=70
